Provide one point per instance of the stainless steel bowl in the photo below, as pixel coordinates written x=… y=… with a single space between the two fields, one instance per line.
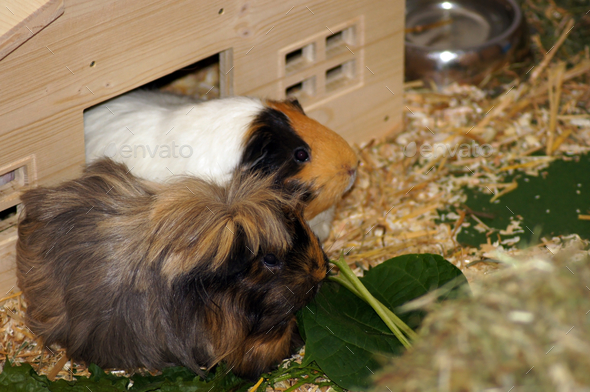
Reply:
x=462 y=40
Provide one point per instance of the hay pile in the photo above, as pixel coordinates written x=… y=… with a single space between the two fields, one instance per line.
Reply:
x=526 y=328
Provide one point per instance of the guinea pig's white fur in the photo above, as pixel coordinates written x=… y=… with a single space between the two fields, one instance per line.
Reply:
x=159 y=135
x=164 y=123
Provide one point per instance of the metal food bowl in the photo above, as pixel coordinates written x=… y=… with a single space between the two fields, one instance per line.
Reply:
x=462 y=40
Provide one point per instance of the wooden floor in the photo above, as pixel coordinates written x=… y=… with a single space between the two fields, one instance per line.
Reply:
x=8 y=236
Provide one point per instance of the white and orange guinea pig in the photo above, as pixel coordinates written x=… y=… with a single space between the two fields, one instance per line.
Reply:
x=159 y=135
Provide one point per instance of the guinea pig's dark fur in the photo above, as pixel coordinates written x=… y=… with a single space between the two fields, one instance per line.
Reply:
x=127 y=273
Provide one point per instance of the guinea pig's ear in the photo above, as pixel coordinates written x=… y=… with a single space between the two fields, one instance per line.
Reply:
x=295 y=104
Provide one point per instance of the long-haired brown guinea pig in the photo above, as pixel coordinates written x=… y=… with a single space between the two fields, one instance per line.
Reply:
x=159 y=135
x=125 y=273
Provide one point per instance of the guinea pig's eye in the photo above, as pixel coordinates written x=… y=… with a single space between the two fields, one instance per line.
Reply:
x=270 y=260
x=301 y=155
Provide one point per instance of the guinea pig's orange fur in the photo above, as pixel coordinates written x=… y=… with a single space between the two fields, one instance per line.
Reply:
x=126 y=273
x=332 y=159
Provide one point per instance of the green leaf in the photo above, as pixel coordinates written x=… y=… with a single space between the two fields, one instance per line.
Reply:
x=345 y=336
x=24 y=378
x=182 y=379
x=404 y=278
x=546 y=205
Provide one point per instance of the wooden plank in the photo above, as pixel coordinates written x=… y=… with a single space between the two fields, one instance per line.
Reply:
x=126 y=47
x=21 y=20
x=364 y=111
